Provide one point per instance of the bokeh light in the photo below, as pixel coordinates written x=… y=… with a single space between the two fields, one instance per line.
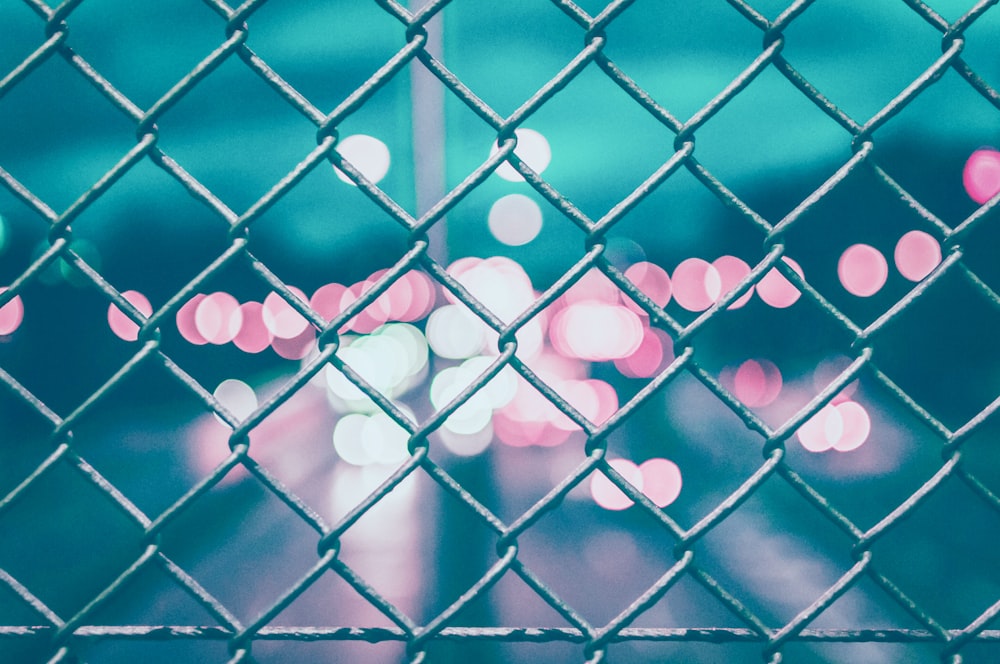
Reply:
x=254 y=335
x=596 y=332
x=731 y=271
x=348 y=439
x=367 y=154
x=186 y=321
x=454 y=332
x=655 y=352
x=297 y=347
x=823 y=430
x=532 y=148
x=281 y=318
x=757 y=383
x=652 y=280
x=776 y=290
x=326 y=300
x=917 y=254
x=862 y=270
x=607 y=494
x=515 y=220
x=237 y=397
x=467 y=444
x=120 y=323
x=856 y=426
x=218 y=317
x=981 y=175
x=383 y=440
x=696 y=284
x=661 y=481
x=842 y=427
x=12 y=313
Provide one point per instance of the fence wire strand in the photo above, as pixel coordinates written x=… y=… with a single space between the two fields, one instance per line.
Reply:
x=66 y=633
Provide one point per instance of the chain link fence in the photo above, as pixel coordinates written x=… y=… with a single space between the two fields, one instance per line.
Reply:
x=43 y=627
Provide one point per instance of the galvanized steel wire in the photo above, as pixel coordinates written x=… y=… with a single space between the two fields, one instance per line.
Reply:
x=64 y=632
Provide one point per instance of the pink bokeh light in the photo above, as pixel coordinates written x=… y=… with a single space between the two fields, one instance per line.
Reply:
x=368 y=319
x=593 y=286
x=254 y=335
x=11 y=314
x=661 y=481
x=296 y=347
x=696 y=284
x=757 y=383
x=186 y=323
x=652 y=280
x=609 y=496
x=981 y=175
x=218 y=317
x=862 y=270
x=422 y=297
x=917 y=254
x=856 y=426
x=776 y=290
x=326 y=300
x=281 y=318
x=121 y=324
x=842 y=427
x=655 y=352
x=731 y=271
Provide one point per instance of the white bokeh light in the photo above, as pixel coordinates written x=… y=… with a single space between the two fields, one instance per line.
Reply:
x=367 y=154
x=532 y=148
x=515 y=220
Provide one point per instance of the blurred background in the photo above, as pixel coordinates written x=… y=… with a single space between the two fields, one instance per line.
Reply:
x=862 y=247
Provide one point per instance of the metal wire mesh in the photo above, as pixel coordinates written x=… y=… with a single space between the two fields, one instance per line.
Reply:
x=63 y=634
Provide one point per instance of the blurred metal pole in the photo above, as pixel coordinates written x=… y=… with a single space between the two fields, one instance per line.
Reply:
x=463 y=550
x=427 y=95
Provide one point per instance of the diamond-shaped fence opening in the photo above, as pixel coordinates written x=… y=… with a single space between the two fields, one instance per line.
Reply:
x=436 y=331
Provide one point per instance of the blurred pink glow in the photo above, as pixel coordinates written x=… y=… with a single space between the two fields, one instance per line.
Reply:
x=842 y=427
x=862 y=270
x=185 y=321
x=827 y=371
x=281 y=318
x=11 y=314
x=981 y=175
x=422 y=296
x=254 y=336
x=528 y=419
x=297 y=347
x=654 y=353
x=822 y=431
x=778 y=291
x=326 y=300
x=731 y=271
x=218 y=318
x=121 y=324
x=596 y=332
x=757 y=383
x=594 y=399
x=369 y=318
x=917 y=254
x=609 y=496
x=661 y=481
x=593 y=286
x=857 y=426
x=652 y=280
x=696 y=284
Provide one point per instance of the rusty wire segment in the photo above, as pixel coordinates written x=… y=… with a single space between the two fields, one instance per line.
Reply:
x=64 y=633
